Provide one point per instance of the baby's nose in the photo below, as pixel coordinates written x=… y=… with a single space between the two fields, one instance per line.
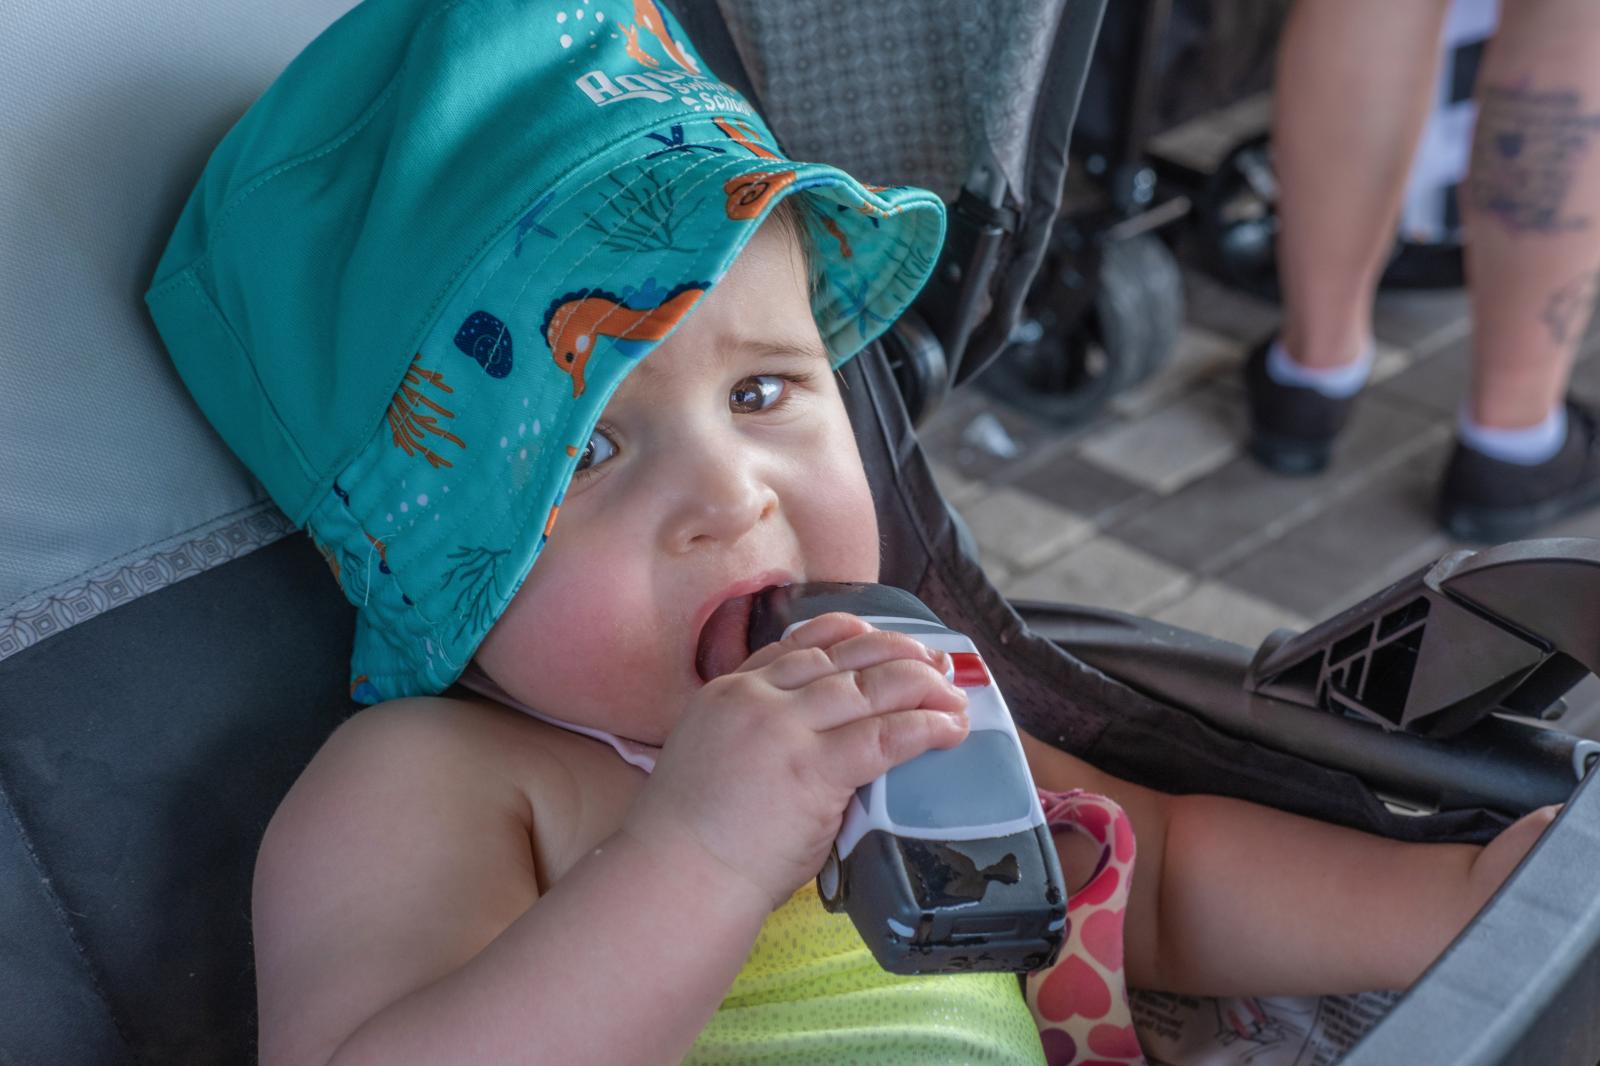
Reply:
x=719 y=498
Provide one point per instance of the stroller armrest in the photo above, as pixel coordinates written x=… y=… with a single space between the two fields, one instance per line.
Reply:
x=1498 y=763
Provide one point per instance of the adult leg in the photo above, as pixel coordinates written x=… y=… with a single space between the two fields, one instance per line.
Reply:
x=1531 y=210
x=1532 y=207
x=1355 y=80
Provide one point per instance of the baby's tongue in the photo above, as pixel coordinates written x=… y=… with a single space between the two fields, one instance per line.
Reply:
x=725 y=639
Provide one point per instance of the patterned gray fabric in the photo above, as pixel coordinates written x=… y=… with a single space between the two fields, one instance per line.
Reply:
x=111 y=483
x=923 y=89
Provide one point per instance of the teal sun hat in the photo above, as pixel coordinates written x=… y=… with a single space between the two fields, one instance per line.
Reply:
x=411 y=276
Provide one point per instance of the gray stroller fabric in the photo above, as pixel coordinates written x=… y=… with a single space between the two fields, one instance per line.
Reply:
x=112 y=485
x=924 y=88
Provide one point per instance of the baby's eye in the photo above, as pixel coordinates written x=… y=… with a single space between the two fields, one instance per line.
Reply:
x=755 y=393
x=598 y=450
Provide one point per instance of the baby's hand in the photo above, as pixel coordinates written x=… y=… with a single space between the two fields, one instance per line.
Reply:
x=758 y=771
x=1501 y=855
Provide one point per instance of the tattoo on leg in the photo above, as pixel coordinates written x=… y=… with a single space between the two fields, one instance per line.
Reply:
x=1524 y=155
x=1568 y=309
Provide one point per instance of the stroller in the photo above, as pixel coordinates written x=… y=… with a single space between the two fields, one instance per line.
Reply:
x=171 y=657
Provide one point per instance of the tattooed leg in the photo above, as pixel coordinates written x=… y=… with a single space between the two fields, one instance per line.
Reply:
x=1531 y=206
x=1568 y=310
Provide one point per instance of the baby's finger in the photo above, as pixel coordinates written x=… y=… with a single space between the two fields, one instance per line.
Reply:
x=865 y=750
x=823 y=631
x=799 y=669
x=896 y=685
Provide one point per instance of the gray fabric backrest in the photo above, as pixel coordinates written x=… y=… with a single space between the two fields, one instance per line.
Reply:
x=111 y=483
x=924 y=90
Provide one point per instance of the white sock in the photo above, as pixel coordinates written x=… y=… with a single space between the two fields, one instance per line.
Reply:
x=1334 y=382
x=1528 y=446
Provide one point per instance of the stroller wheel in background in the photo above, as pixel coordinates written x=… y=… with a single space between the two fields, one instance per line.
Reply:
x=1237 y=223
x=1072 y=352
x=918 y=362
x=1424 y=265
x=1237 y=219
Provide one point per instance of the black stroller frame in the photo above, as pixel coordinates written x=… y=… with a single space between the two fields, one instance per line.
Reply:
x=125 y=894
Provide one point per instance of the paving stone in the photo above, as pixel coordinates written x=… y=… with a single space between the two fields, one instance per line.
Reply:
x=1222 y=309
x=1214 y=521
x=1171 y=446
x=963 y=435
x=955 y=487
x=1218 y=610
x=1436 y=382
x=1421 y=320
x=1103 y=573
x=1354 y=546
x=1021 y=529
x=1201 y=357
x=1082 y=488
x=1387 y=361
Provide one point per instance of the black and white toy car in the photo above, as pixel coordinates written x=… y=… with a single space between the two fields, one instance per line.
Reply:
x=945 y=863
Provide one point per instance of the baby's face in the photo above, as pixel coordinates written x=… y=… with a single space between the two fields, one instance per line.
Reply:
x=723 y=464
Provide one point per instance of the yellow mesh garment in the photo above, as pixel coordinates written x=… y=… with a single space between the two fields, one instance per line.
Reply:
x=811 y=992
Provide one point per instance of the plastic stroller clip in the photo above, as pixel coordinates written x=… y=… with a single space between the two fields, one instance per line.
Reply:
x=1511 y=628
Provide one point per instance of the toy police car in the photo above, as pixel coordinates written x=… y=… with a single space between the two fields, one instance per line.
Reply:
x=945 y=863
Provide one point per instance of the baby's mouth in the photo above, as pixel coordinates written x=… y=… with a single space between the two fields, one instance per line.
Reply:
x=725 y=638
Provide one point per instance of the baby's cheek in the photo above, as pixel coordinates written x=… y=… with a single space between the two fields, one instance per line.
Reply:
x=578 y=647
x=845 y=529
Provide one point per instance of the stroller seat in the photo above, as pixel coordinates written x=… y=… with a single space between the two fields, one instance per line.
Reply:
x=172 y=653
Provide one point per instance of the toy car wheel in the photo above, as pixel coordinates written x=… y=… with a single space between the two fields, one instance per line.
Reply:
x=830 y=882
x=1063 y=366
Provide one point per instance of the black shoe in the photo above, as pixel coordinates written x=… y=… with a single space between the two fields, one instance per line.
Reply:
x=1292 y=427
x=1484 y=499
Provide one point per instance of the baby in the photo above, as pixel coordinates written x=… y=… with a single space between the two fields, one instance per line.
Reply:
x=472 y=267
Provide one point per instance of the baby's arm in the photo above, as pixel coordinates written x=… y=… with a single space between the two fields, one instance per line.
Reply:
x=1233 y=898
x=394 y=916
x=398 y=907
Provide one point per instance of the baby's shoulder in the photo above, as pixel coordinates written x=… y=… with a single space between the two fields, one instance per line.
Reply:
x=569 y=791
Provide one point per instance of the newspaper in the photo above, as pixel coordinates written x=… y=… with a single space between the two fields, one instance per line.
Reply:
x=1251 y=1031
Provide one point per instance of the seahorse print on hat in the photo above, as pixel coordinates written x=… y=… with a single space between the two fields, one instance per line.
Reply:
x=749 y=193
x=576 y=320
x=648 y=16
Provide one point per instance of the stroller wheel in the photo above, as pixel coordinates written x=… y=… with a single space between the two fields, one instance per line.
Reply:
x=919 y=365
x=1238 y=223
x=1238 y=219
x=1064 y=364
